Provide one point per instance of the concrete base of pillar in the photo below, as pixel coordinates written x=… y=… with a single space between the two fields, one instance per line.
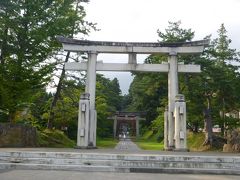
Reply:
x=85 y=147
x=181 y=150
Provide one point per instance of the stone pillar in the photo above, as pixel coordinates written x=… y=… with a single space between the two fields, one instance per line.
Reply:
x=132 y=58
x=166 y=147
x=115 y=127
x=91 y=88
x=94 y=126
x=180 y=123
x=172 y=92
x=137 y=127
x=83 y=122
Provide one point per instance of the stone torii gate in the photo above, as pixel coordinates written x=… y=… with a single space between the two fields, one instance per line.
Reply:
x=93 y=48
x=133 y=117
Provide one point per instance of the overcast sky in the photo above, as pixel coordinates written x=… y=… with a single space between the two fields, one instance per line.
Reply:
x=138 y=20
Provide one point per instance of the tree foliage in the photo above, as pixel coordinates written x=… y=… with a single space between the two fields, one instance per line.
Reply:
x=108 y=101
x=174 y=33
x=149 y=90
x=27 y=42
x=212 y=92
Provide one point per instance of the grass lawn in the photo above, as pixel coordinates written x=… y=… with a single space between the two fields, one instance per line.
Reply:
x=106 y=142
x=149 y=142
x=195 y=141
x=54 y=138
x=149 y=145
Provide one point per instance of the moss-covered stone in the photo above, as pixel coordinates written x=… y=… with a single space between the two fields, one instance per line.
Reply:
x=17 y=135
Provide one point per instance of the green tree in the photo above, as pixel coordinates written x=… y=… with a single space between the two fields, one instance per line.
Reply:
x=66 y=110
x=214 y=91
x=174 y=33
x=108 y=101
x=148 y=91
x=27 y=43
x=79 y=25
x=226 y=75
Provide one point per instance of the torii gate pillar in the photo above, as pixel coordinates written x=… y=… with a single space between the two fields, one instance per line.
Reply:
x=91 y=89
x=172 y=92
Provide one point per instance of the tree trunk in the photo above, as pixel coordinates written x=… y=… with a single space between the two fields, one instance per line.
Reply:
x=4 y=46
x=195 y=127
x=224 y=120
x=11 y=117
x=208 y=125
x=57 y=94
x=59 y=86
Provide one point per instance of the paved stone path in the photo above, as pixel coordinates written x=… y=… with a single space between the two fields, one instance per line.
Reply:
x=127 y=144
x=74 y=175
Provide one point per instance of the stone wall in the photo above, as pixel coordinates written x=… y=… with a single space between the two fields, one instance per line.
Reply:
x=17 y=135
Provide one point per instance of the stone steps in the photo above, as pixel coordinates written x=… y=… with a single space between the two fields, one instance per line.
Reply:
x=66 y=167
x=120 y=163
x=82 y=161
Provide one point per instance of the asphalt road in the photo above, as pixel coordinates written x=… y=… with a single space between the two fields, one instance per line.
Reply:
x=73 y=175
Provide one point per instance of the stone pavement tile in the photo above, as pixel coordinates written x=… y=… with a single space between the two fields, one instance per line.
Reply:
x=127 y=144
x=73 y=175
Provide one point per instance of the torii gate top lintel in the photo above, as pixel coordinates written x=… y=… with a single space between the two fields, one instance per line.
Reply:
x=192 y=47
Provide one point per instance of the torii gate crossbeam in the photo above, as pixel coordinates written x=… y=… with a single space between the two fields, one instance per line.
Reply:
x=182 y=68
